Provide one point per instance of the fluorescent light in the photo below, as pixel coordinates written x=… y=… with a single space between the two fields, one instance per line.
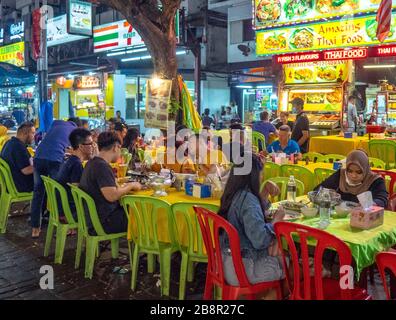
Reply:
x=70 y=76
x=91 y=92
x=118 y=53
x=179 y=53
x=313 y=91
x=136 y=58
x=264 y=87
x=244 y=87
x=375 y=66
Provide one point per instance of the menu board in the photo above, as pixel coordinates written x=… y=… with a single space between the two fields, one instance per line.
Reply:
x=275 y=13
x=79 y=17
x=157 y=101
x=319 y=101
x=316 y=72
x=337 y=34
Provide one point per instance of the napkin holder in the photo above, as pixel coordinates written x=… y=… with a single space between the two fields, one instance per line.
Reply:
x=201 y=191
x=369 y=218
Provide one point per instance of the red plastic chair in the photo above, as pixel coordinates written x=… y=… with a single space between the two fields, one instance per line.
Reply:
x=387 y=261
x=392 y=175
x=215 y=274
x=314 y=287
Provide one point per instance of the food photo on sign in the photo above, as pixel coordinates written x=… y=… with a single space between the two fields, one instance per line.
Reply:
x=157 y=102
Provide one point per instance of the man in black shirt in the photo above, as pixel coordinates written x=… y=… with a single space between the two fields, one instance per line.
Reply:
x=99 y=182
x=300 y=132
x=18 y=158
x=71 y=170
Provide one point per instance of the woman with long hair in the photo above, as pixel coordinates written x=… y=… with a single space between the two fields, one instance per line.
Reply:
x=129 y=143
x=244 y=205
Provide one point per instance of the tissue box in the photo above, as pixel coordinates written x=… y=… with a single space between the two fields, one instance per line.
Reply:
x=201 y=190
x=188 y=185
x=337 y=165
x=371 y=218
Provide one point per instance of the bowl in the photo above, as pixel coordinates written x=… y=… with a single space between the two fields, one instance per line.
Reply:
x=335 y=197
x=309 y=212
x=341 y=212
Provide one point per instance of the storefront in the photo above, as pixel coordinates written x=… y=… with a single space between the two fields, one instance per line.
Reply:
x=318 y=53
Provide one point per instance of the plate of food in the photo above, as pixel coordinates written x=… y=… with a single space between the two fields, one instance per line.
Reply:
x=302 y=38
x=303 y=74
x=328 y=73
x=315 y=98
x=336 y=6
x=268 y=10
x=334 y=97
x=297 y=8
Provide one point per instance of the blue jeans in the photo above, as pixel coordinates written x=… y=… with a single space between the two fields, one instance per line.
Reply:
x=45 y=168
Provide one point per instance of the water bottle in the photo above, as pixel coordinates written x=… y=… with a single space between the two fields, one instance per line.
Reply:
x=324 y=209
x=291 y=189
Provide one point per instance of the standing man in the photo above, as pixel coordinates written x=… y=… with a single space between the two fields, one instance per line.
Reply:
x=352 y=117
x=18 y=158
x=300 y=132
x=47 y=161
x=118 y=117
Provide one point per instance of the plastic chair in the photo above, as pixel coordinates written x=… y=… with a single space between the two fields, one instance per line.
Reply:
x=194 y=250
x=386 y=261
x=82 y=201
x=143 y=216
x=301 y=173
x=271 y=170
x=392 y=203
x=281 y=182
x=9 y=194
x=315 y=287
x=321 y=174
x=384 y=150
x=53 y=188
x=377 y=163
x=140 y=153
x=331 y=158
x=258 y=140
x=313 y=156
x=388 y=174
x=211 y=224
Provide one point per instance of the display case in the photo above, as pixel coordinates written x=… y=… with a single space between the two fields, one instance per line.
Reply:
x=386 y=107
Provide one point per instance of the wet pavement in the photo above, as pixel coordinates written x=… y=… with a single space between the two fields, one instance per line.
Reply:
x=22 y=257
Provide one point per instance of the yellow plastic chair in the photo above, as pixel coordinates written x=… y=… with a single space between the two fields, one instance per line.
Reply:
x=271 y=170
x=377 y=163
x=313 y=156
x=258 y=140
x=322 y=174
x=331 y=158
x=301 y=173
x=384 y=150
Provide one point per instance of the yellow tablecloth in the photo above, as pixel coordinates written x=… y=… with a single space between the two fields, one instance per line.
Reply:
x=337 y=145
x=174 y=197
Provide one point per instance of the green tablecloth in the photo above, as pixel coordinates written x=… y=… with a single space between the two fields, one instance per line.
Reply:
x=364 y=244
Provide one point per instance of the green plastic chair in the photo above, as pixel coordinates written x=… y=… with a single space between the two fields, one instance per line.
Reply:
x=377 y=163
x=9 y=194
x=127 y=157
x=82 y=201
x=143 y=213
x=331 y=158
x=313 y=156
x=140 y=153
x=322 y=174
x=258 y=139
x=281 y=182
x=384 y=150
x=301 y=173
x=53 y=189
x=271 y=170
x=194 y=251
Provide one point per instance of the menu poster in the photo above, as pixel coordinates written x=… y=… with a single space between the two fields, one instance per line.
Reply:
x=355 y=32
x=79 y=17
x=277 y=13
x=157 y=101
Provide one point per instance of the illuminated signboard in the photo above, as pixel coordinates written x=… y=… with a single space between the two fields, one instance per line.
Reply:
x=1 y=35
x=321 y=36
x=17 y=30
x=13 y=54
x=86 y=82
x=57 y=32
x=115 y=35
x=342 y=54
x=79 y=17
x=276 y=13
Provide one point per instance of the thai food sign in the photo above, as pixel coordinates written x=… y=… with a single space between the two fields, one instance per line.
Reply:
x=320 y=36
x=276 y=13
x=316 y=72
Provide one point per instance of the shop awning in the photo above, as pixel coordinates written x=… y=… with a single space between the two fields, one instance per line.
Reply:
x=13 y=76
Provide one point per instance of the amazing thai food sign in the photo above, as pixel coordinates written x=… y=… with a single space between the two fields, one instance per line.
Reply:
x=276 y=13
x=353 y=32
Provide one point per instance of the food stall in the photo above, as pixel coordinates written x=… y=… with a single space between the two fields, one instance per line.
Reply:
x=321 y=86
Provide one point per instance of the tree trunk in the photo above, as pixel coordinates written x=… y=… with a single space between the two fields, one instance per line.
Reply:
x=157 y=29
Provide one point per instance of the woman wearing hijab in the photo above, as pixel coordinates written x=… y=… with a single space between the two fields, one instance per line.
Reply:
x=356 y=179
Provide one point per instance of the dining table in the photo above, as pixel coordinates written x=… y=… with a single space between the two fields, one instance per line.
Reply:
x=338 y=144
